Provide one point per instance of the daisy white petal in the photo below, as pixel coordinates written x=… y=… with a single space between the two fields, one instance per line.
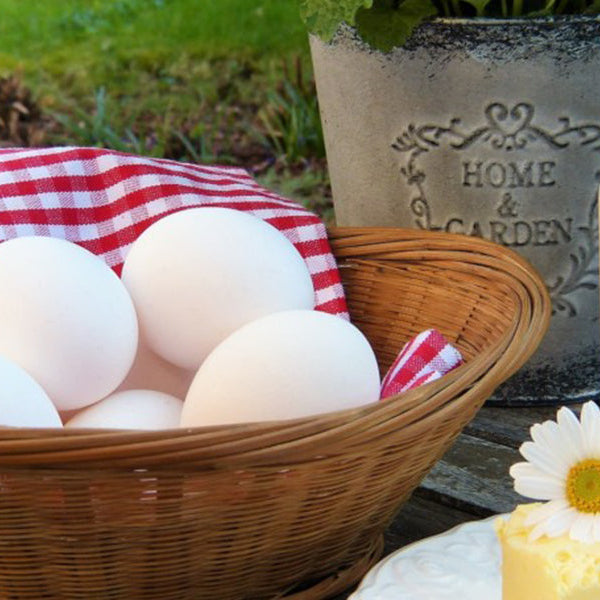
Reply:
x=545 y=511
x=596 y=531
x=571 y=432
x=548 y=436
x=560 y=522
x=555 y=525
x=537 y=532
x=582 y=528
x=562 y=457
x=546 y=461
x=540 y=529
x=523 y=469
x=544 y=433
x=540 y=487
x=590 y=425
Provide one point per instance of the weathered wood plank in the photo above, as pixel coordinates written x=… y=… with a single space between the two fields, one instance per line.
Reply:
x=473 y=476
x=419 y=518
x=508 y=426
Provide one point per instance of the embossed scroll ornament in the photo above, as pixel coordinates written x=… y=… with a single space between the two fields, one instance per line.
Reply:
x=507 y=131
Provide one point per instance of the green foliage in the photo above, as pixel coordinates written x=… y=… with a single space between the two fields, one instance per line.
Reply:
x=324 y=16
x=101 y=127
x=95 y=128
x=87 y=20
x=74 y=46
x=291 y=119
x=385 y=24
x=515 y=8
x=310 y=187
x=181 y=79
x=172 y=70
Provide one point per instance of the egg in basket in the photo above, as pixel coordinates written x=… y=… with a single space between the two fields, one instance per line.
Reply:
x=224 y=481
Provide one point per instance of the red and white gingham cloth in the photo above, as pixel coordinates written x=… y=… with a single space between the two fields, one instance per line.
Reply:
x=425 y=358
x=103 y=200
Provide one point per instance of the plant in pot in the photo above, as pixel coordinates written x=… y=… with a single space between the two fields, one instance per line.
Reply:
x=478 y=117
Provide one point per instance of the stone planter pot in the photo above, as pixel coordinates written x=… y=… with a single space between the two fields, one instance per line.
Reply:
x=488 y=128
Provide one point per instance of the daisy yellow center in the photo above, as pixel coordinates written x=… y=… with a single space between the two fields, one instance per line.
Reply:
x=583 y=486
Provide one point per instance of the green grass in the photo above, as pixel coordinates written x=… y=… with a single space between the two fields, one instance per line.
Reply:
x=156 y=65
x=121 y=44
x=225 y=81
x=32 y=29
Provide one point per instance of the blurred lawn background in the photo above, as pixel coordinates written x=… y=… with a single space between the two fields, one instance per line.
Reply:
x=209 y=81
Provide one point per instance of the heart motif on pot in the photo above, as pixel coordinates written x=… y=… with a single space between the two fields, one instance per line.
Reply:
x=507 y=128
x=509 y=123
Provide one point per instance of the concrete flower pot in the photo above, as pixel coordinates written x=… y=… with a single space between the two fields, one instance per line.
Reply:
x=489 y=128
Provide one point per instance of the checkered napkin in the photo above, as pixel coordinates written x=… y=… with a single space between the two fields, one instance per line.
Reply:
x=425 y=358
x=103 y=200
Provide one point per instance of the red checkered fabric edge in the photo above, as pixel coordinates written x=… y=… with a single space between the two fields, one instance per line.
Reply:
x=103 y=200
x=427 y=357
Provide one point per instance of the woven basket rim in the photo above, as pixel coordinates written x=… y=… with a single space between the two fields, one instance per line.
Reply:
x=377 y=246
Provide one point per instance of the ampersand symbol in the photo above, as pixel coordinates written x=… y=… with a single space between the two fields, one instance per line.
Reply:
x=508 y=206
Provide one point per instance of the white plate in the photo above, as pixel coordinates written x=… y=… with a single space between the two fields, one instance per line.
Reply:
x=463 y=564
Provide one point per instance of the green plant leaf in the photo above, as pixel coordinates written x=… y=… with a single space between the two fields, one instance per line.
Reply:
x=389 y=23
x=479 y=6
x=594 y=8
x=323 y=17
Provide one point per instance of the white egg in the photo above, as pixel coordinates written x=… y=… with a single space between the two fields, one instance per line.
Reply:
x=66 y=318
x=23 y=402
x=197 y=275
x=285 y=365
x=150 y=371
x=131 y=409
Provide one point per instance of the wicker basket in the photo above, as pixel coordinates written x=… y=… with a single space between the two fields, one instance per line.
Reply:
x=271 y=510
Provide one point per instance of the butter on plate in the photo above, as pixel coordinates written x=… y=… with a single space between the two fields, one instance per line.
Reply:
x=548 y=568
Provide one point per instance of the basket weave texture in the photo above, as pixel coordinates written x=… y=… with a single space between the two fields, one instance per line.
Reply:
x=293 y=509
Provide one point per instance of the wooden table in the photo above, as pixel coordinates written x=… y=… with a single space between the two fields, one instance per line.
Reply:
x=471 y=481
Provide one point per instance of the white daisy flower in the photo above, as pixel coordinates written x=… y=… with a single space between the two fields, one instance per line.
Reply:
x=563 y=468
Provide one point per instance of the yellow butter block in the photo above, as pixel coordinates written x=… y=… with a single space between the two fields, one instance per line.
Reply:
x=547 y=568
